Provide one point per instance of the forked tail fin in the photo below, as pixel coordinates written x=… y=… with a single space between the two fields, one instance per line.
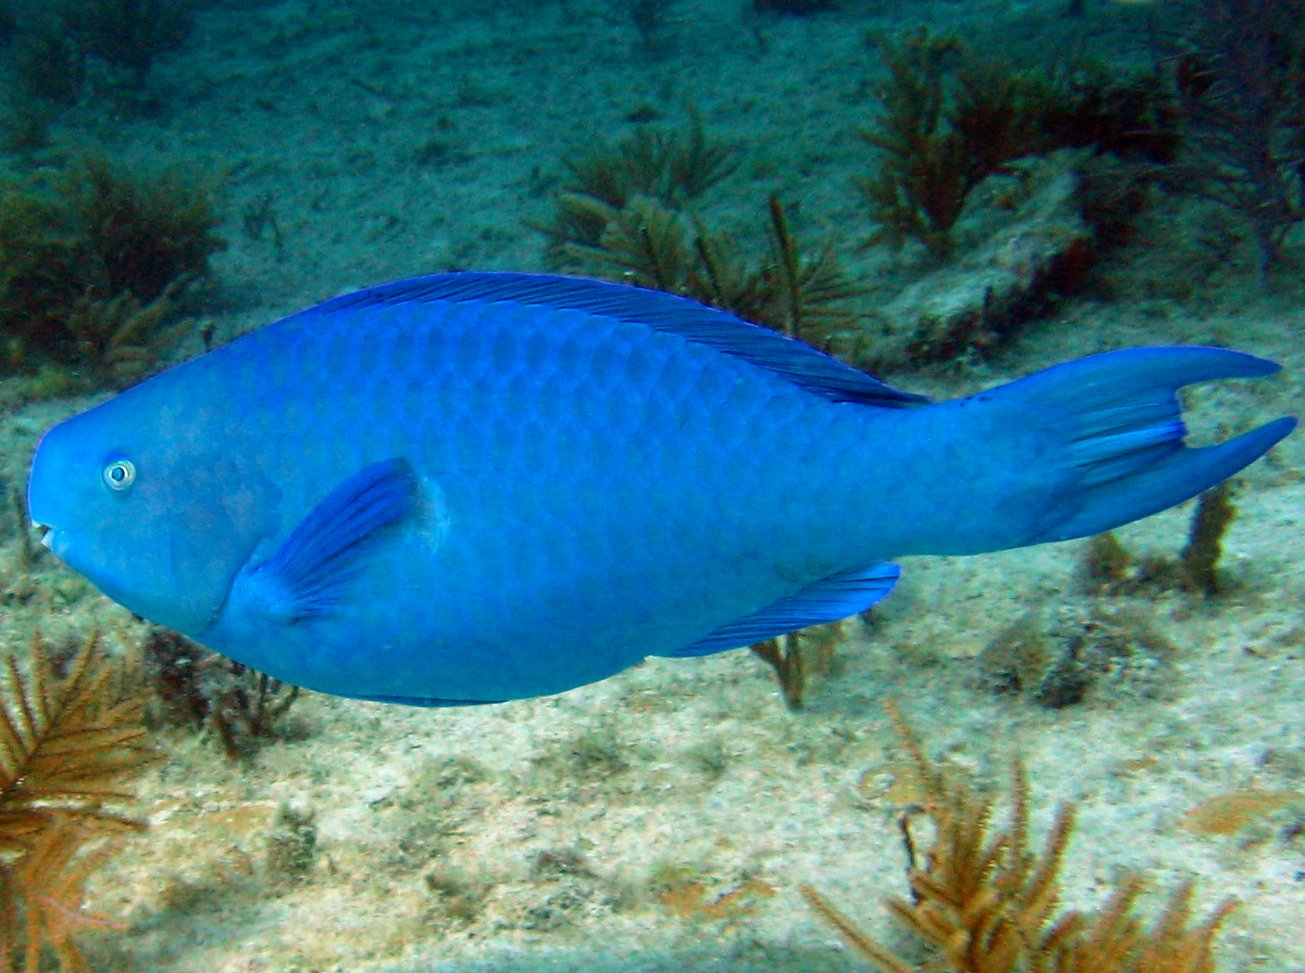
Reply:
x=1125 y=432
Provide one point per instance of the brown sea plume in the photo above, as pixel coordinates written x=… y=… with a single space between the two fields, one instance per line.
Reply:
x=71 y=740
x=987 y=903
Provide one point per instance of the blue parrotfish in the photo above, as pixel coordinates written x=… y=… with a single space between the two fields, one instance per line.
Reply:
x=476 y=487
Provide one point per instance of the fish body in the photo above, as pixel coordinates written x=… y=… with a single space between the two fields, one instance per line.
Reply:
x=478 y=487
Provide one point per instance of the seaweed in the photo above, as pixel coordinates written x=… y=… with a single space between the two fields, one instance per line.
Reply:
x=94 y=262
x=45 y=268
x=1106 y=565
x=25 y=125
x=648 y=244
x=120 y=338
x=948 y=119
x=920 y=185
x=1133 y=117
x=29 y=552
x=811 y=294
x=986 y=902
x=1108 y=568
x=71 y=740
x=291 y=845
x=784 y=655
x=1241 y=87
x=1199 y=559
x=149 y=229
x=250 y=709
x=670 y=166
x=1054 y=656
x=198 y=688
x=796 y=656
x=48 y=64
x=129 y=34
x=643 y=242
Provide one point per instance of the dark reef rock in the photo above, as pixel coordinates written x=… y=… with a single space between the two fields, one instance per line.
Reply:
x=1035 y=245
x=1057 y=654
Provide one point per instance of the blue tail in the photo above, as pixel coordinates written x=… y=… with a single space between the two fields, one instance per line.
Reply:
x=1079 y=449
x=1123 y=426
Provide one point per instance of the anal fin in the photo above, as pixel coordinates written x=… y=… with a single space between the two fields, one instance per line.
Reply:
x=427 y=702
x=827 y=600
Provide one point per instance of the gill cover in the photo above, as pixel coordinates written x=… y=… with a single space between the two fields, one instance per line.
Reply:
x=160 y=526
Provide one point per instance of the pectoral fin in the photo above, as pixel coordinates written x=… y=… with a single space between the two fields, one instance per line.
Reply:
x=306 y=575
x=827 y=600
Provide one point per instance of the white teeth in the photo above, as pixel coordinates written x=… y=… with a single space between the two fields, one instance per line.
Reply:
x=47 y=535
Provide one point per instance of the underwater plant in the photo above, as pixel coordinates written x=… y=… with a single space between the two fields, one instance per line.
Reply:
x=1107 y=567
x=29 y=552
x=25 y=126
x=120 y=338
x=249 y=711
x=796 y=656
x=129 y=34
x=651 y=19
x=291 y=845
x=94 y=262
x=198 y=688
x=948 y=119
x=803 y=296
x=806 y=296
x=44 y=271
x=1131 y=116
x=986 y=902
x=1242 y=91
x=919 y=187
x=1054 y=656
x=670 y=166
x=1199 y=558
x=149 y=229
x=71 y=740
x=48 y=64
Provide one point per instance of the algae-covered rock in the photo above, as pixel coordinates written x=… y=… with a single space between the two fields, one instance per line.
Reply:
x=1056 y=655
x=1034 y=239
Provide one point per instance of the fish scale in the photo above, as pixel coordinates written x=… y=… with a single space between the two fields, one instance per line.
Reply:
x=478 y=487
x=529 y=429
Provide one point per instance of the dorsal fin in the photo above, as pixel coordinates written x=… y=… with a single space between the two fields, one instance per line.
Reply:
x=802 y=365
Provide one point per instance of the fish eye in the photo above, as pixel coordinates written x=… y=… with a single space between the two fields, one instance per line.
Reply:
x=119 y=474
